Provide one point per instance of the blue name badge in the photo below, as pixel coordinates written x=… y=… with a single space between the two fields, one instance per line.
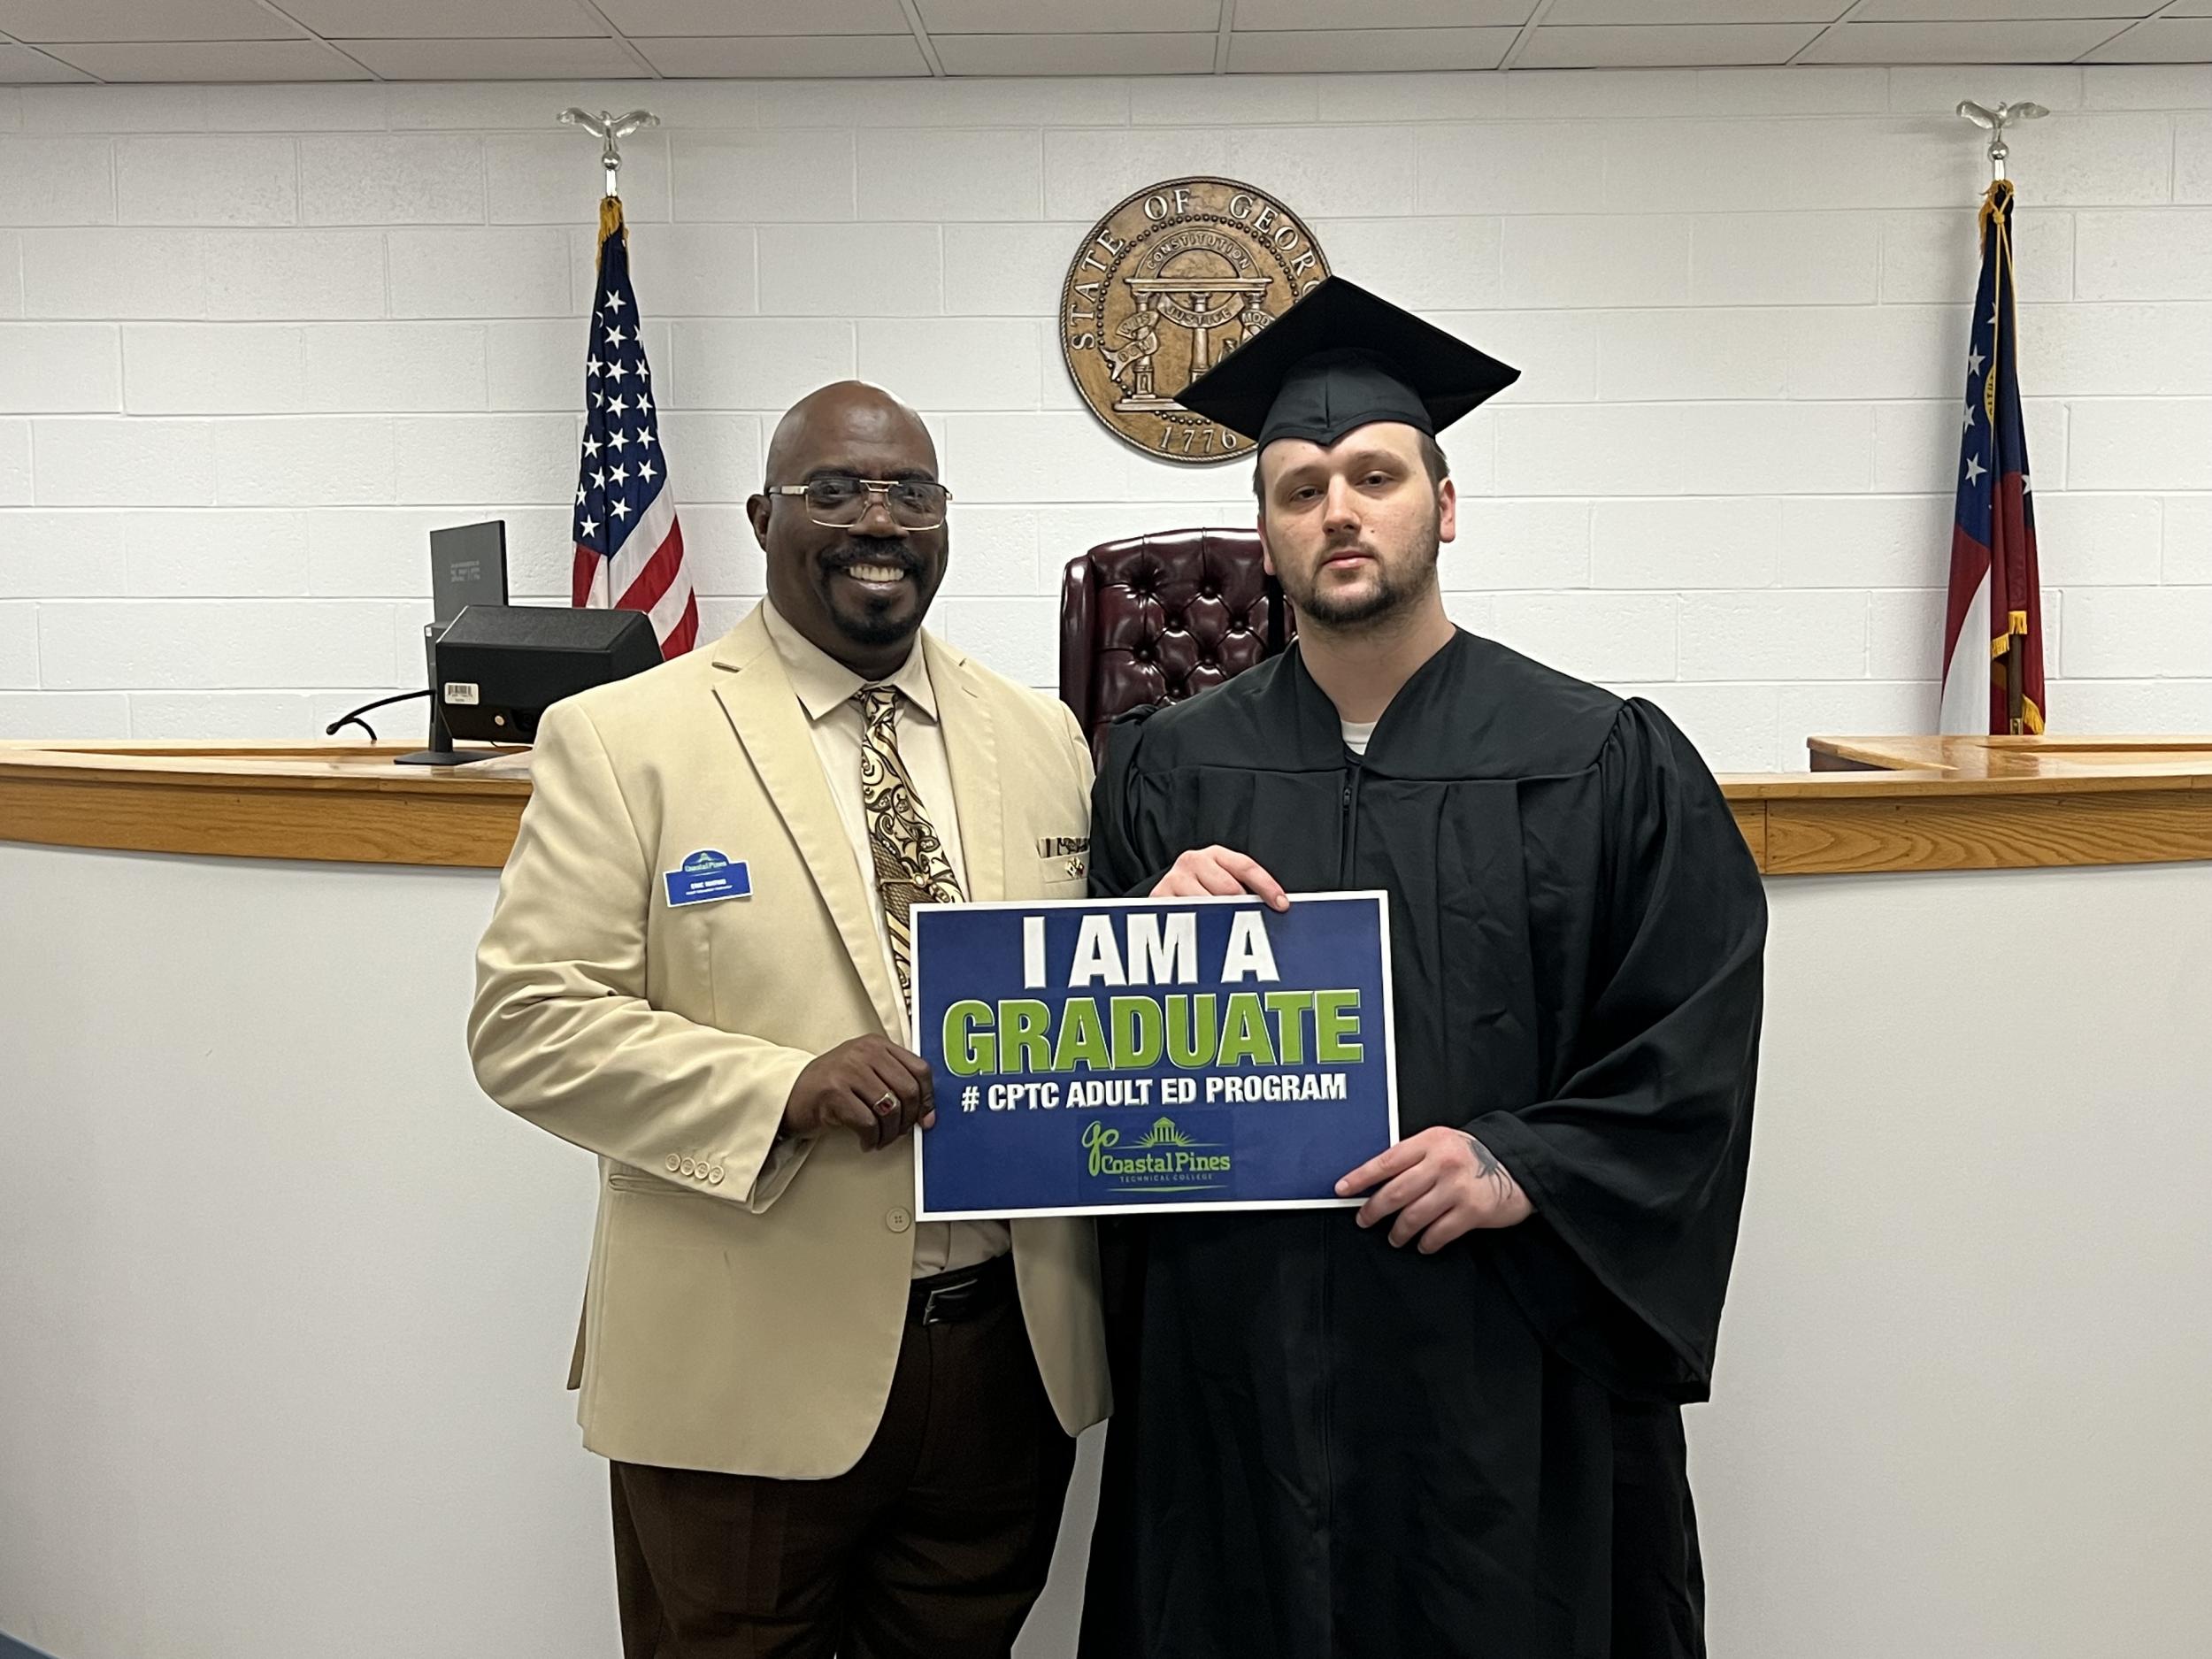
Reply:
x=706 y=876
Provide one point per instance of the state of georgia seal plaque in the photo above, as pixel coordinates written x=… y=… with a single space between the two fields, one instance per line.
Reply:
x=1174 y=278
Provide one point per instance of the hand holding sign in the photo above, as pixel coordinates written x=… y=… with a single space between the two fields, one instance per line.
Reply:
x=1441 y=1185
x=1222 y=872
x=868 y=1085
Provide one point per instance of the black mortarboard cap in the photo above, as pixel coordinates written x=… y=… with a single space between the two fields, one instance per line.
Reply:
x=1340 y=359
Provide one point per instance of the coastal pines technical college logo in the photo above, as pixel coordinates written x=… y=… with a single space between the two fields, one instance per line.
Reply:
x=1171 y=280
x=1165 y=1158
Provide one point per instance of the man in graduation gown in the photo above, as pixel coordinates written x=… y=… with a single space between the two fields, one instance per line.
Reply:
x=1447 y=1423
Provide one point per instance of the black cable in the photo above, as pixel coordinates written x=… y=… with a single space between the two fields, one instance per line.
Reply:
x=352 y=716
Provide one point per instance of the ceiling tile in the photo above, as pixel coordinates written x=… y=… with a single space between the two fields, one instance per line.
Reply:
x=1999 y=11
x=1334 y=15
x=19 y=65
x=1697 y=11
x=2045 y=43
x=493 y=60
x=1075 y=54
x=2168 y=40
x=211 y=60
x=1664 y=45
x=1070 y=17
x=708 y=18
x=41 y=20
x=415 y=20
x=821 y=58
x=1300 y=51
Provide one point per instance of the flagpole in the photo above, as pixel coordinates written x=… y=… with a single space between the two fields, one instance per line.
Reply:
x=628 y=540
x=2015 y=658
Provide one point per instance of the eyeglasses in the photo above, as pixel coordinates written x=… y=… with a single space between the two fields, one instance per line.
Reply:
x=839 y=501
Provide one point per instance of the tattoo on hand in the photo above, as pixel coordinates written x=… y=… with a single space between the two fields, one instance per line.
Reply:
x=1489 y=1171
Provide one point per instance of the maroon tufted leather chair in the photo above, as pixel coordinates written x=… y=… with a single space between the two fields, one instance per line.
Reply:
x=1157 y=619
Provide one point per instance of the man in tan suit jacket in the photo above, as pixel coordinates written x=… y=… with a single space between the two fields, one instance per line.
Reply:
x=833 y=1429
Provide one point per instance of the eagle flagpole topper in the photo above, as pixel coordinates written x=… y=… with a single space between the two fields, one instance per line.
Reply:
x=610 y=130
x=1994 y=122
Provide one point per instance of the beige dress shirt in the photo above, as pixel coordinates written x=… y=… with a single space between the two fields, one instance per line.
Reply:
x=825 y=688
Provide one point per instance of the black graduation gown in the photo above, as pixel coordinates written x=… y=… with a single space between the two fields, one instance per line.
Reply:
x=1327 y=1449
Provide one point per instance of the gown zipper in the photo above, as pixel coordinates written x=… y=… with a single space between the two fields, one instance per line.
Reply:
x=1348 y=828
x=1348 y=852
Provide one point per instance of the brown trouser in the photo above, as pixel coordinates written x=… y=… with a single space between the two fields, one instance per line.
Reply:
x=934 y=1545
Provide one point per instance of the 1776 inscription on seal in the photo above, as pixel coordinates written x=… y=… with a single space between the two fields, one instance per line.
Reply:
x=1170 y=281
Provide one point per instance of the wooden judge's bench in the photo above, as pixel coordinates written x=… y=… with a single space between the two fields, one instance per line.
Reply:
x=290 y=1303
x=1869 y=804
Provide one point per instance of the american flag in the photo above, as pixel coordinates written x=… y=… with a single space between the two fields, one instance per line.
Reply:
x=629 y=547
x=1996 y=594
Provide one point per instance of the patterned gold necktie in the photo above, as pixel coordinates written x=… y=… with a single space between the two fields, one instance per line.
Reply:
x=911 y=867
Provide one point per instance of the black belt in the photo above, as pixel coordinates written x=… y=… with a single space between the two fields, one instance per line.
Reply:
x=962 y=1293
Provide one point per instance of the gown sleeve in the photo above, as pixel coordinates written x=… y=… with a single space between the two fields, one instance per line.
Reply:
x=1636 y=1164
x=1124 y=864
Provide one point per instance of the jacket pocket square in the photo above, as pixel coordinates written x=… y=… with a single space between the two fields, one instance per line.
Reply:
x=1061 y=846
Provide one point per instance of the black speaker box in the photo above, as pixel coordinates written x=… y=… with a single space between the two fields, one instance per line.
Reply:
x=499 y=667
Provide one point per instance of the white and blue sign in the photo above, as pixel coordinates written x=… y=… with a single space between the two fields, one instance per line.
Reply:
x=706 y=876
x=1097 y=1056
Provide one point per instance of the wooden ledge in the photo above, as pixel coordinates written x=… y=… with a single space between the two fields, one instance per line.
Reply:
x=342 y=803
x=1870 y=804
x=1890 y=803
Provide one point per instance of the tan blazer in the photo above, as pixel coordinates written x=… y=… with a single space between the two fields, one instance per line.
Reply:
x=750 y=1331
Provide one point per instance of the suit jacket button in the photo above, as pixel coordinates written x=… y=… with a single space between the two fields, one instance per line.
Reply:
x=686 y=1166
x=714 y=1176
x=674 y=1163
x=898 y=1221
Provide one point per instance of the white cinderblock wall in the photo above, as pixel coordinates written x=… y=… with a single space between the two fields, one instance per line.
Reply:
x=259 y=340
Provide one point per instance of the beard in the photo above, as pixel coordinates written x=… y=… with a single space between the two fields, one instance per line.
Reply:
x=872 y=619
x=1397 y=584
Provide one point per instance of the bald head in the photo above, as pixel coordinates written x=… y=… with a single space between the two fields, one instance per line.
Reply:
x=858 y=587
x=841 y=417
